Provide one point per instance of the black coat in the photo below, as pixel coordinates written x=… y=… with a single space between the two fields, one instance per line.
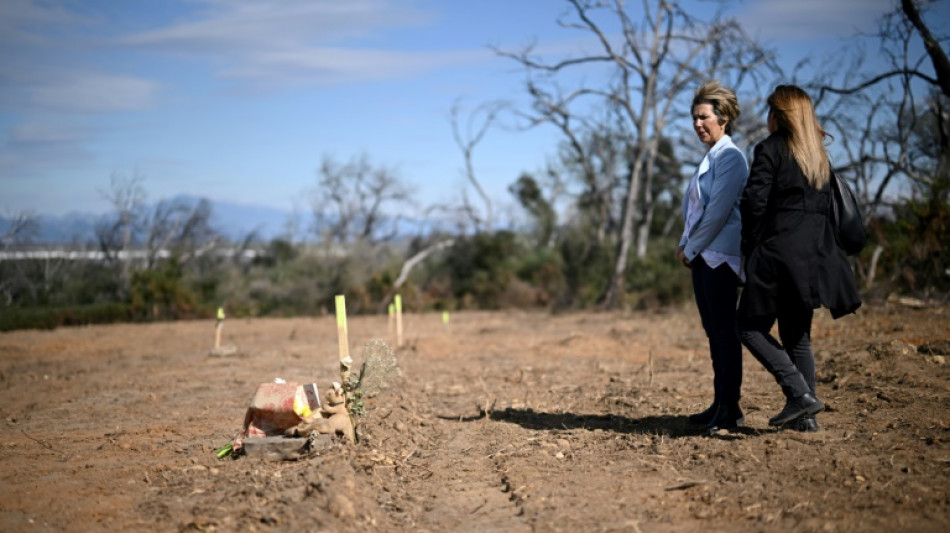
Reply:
x=791 y=258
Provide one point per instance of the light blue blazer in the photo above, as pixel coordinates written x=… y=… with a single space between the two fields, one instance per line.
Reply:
x=722 y=176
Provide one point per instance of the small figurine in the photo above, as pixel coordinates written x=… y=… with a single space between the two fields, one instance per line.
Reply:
x=331 y=418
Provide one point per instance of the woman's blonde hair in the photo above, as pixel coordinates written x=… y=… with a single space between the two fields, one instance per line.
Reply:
x=723 y=101
x=793 y=112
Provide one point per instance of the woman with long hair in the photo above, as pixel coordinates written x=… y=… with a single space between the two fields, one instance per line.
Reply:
x=792 y=263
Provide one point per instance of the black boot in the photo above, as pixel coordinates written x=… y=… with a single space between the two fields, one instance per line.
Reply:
x=796 y=408
x=728 y=416
x=703 y=418
x=806 y=424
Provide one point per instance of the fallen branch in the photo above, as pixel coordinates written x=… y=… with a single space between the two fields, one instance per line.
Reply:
x=42 y=443
x=686 y=485
x=412 y=262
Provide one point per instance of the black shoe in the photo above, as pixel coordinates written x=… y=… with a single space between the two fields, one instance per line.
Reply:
x=727 y=417
x=703 y=419
x=796 y=408
x=806 y=424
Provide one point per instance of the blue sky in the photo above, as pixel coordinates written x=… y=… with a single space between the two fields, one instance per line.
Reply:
x=239 y=100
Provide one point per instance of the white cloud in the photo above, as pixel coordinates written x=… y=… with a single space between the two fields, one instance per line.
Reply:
x=23 y=22
x=322 y=65
x=811 y=19
x=267 y=43
x=31 y=147
x=87 y=92
x=36 y=133
x=251 y=24
x=45 y=65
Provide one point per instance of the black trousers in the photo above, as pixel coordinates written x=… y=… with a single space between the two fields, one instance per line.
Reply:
x=791 y=363
x=716 y=291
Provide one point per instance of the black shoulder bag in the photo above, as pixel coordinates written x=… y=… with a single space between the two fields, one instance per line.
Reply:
x=846 y=216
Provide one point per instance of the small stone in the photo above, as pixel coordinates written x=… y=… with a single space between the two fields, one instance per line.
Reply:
x=891 y=349
x=341 y=507
x=563 y=443
x=274 y=448
x=937 y=347
x=939 y=359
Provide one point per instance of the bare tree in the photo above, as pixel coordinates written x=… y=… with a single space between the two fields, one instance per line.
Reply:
x=938 y=56
x=941 y=66
x=593 y=150
x=179 y=228
x=892 y=127
x=655 y=57
x=477 y=125
x=19 y=228
x=352 y=201
x=117 y=232
x=893 y=104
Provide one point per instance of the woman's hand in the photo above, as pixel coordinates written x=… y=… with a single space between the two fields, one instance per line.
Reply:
x=681 y=256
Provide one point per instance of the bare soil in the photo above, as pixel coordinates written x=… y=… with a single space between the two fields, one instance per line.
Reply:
x=501 y=421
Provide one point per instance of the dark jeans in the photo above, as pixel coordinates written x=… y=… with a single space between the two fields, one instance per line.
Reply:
x=792 y=363
x=715 y=291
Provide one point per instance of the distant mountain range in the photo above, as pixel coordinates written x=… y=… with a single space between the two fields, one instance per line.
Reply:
x=234 y=221
x=237 y=221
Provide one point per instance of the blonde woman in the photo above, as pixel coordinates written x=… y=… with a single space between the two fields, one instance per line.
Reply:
x=710 y=247
x=792 y=262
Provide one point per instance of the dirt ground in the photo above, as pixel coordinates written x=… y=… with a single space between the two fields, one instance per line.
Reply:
x=501 y=421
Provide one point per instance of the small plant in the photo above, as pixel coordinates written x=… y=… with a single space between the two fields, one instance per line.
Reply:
x=225 y=451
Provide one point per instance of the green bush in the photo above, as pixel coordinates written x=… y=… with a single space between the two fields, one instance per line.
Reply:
x=543 y=271
x=586 y=270
x=161 y=294
x=658 y=279
x=13 y=318
x=481 y=266
x=915 y=244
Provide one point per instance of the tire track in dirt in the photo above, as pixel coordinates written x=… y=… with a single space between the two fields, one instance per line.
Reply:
x=467 y=491
x=449 y=479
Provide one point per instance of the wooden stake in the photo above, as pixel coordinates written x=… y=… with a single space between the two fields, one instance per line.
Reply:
x=345 y=361
x=217 y=328
x=392 y=318
x=650 y=360
x=398 y=302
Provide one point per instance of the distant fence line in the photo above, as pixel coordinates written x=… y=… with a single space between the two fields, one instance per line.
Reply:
x=123 y=255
